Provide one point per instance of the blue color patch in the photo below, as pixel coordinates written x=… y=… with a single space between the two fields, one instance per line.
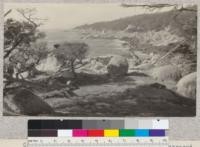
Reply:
x=142 y=132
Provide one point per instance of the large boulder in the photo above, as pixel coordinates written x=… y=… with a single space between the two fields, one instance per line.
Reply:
x=187 y=85
x=167 y=73
x=118 y=66
x=103 y=59
x=9 y=110
x=30 y=104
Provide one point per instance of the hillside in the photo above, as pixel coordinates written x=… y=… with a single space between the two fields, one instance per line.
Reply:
x=146 y=22
x=171 y=36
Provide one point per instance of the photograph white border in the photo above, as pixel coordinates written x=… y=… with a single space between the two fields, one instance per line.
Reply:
x=181 y=128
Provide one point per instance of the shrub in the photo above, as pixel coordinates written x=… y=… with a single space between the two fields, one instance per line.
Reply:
x=166 y=73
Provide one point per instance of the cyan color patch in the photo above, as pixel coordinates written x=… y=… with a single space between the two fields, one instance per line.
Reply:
x=142 y=132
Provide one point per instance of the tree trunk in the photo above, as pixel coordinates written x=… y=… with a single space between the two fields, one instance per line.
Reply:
x=73 y=70
x=167 y=54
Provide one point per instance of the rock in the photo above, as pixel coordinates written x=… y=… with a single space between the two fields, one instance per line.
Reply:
x=130 y=101
x=102 y=105
x=66 y=74
x=144 y=66
x=158 y=85
x=103 y=59
x=8 y=109
x=98 y=66
x=133 y=63
x=187 y=85
x=49 y=64
x=166 y=73
x=118 y=66
x=30 y=104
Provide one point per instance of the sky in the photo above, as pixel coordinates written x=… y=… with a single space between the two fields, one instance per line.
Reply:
x=66 y=16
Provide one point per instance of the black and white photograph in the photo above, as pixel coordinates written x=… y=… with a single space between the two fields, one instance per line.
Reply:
x=99 y=60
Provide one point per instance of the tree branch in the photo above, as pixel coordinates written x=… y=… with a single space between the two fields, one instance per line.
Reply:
x=168 y=53
x=29 y=19
x=12 y=48
x=81 y=65
x=19 y=38
x=9 y=11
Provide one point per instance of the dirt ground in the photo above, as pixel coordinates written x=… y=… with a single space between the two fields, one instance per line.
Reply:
x=134 y=95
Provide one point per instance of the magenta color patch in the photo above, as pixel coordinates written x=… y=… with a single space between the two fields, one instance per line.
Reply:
x=80 y=133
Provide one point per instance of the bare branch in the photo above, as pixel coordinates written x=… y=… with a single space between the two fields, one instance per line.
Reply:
x=28 y=16
x=168 y=53
x=80 y=65
x=8 y=12
x=12 y=48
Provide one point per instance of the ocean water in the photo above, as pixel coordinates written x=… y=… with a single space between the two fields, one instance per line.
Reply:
x=97 y=46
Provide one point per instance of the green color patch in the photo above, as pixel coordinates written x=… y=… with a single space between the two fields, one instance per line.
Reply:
x=126 y=132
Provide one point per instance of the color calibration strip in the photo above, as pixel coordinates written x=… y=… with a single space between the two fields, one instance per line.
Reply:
x=97 y=133
x=99 y=124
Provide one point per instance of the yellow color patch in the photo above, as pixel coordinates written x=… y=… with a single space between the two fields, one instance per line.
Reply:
x=111 y=133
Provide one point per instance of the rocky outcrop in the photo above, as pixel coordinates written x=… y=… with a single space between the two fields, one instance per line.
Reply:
x=30 y=104
x=118 y=66
x=96 y=65
x=187 y=85
x=166 y=73
x=102 y=59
